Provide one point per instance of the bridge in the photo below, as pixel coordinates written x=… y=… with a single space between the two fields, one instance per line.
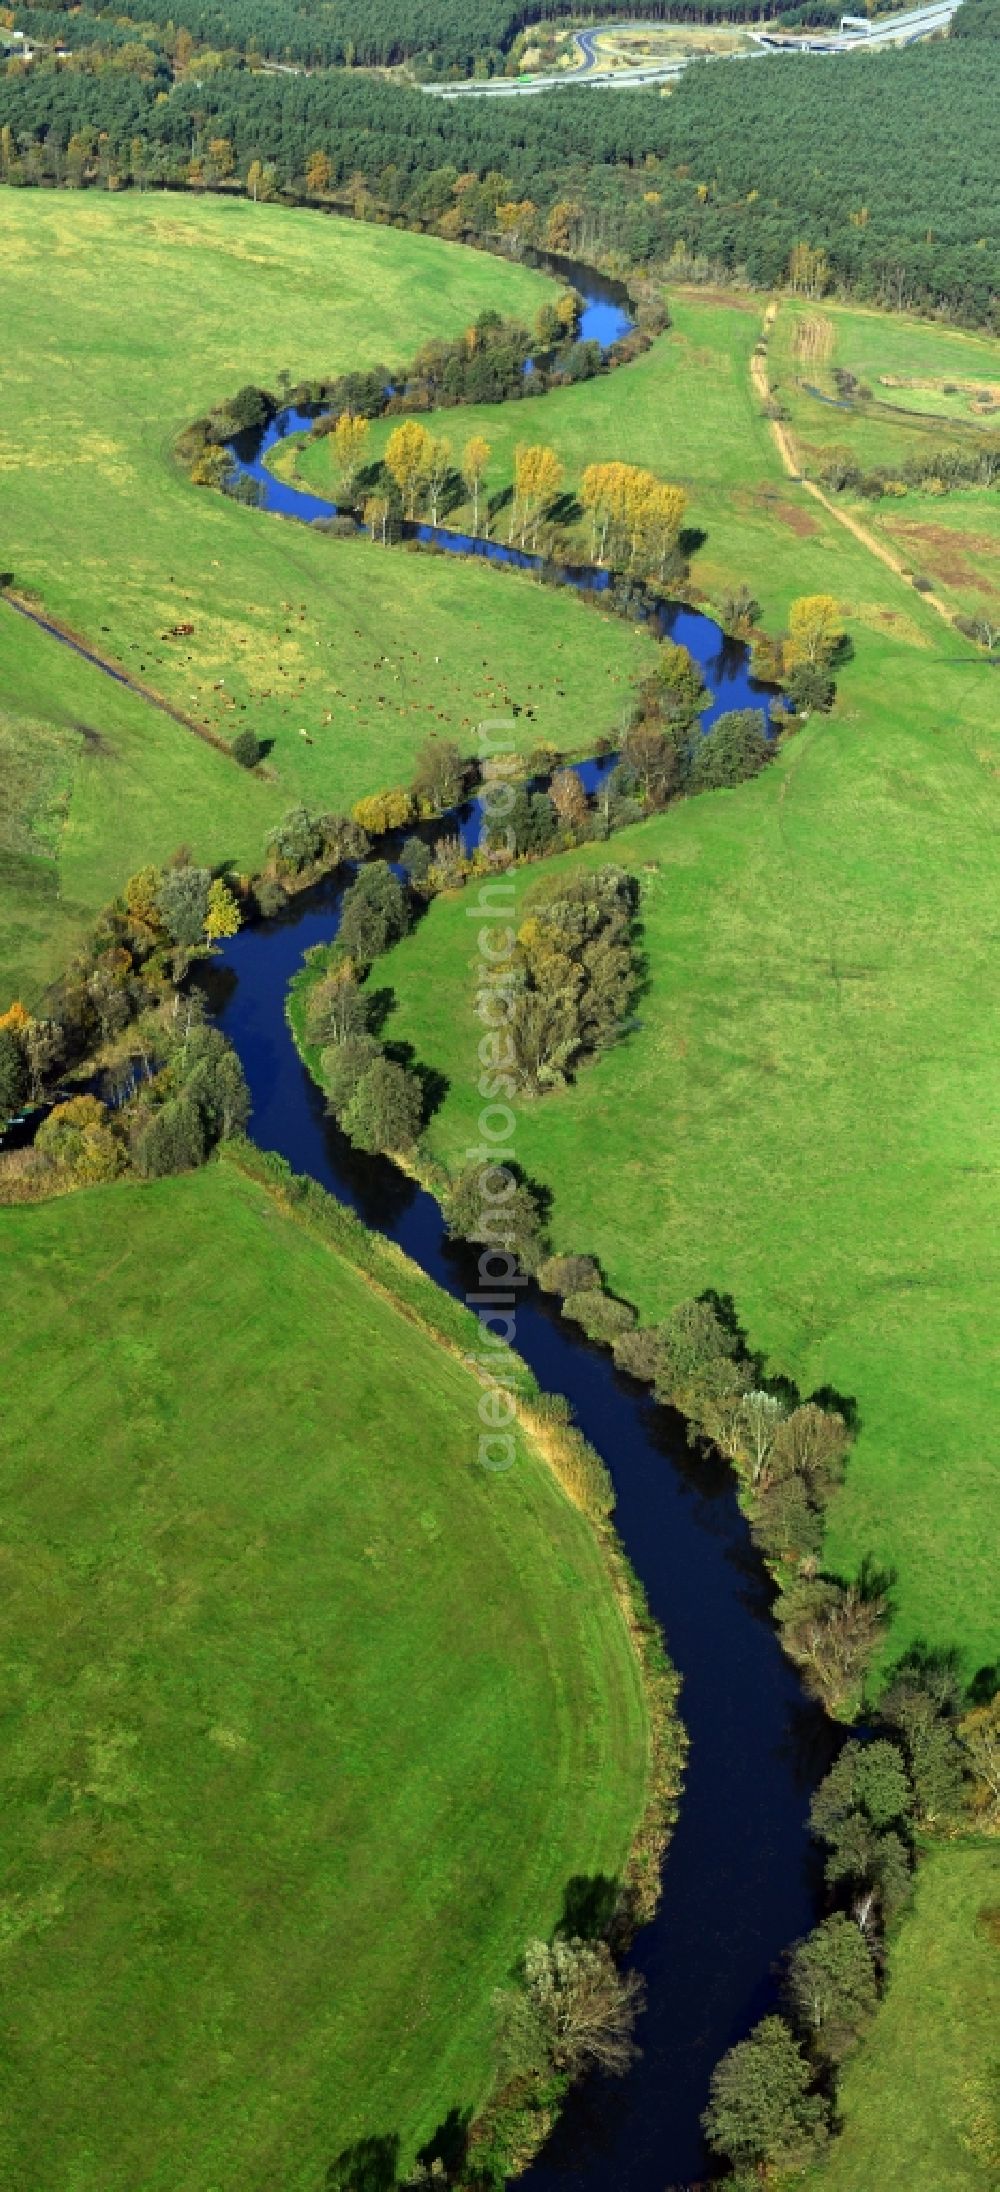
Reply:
x=856 y=34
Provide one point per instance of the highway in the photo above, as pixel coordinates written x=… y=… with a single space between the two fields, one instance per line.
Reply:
x=892 y=30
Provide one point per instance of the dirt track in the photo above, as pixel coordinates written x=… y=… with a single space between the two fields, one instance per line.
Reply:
x=786 y=451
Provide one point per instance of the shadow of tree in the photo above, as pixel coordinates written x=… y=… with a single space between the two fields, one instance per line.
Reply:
x=449 y=2144
x=368 y=2165
x=590 y=1902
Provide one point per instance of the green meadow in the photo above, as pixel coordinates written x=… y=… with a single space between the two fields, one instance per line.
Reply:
x=125 y=317
x=310 y=1720
x=802 y=1114
x=917 y=2102
x=943 y=374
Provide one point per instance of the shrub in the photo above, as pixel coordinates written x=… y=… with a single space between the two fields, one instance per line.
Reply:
x=77 y=1139
x=385 y=1110
x=415 y=857
x=601 y=1316
x=296 y=842
x=183 y=904
x=344 y=1064
x=832 y=1631
x=170 y=1139
x=810 y=689
x=735 y=749
x=575 y=968
x=386 y=810
x=375 y=913
x=269 y=897
x=785 y=1525
x=810 y=1443
x=489 y=1203
x=568 y=1275
x=980 y=1737
x=696 y=1358
x=13 y=1073
x=246 y=749
x=440 y=776
x=574 y=2012
x=336 y=1008
x=867 y=1777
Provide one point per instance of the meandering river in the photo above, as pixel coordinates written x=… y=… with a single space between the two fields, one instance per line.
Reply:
x=741 y=1880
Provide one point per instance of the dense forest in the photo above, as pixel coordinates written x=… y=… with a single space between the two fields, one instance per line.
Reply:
x=977 y=19
x=889 y=176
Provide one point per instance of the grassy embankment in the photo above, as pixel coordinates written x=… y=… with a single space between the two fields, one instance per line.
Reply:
x=310 y=1719
x=125 y=317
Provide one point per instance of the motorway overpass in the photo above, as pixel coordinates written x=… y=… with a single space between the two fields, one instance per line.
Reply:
x=890 y=30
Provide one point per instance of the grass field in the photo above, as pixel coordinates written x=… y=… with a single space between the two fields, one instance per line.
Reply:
x=919 y=2099
x=309 y=1719
x=126 y=317
x=953 y=540
x=803 y=1116
x=93 y=783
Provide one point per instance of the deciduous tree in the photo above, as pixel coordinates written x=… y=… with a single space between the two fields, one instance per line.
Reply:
x=350 y=440
x=761 y=2113
x=475 y=461
x=815 y=630
x=406 y=457
x=222 y=913
x=830 y=1990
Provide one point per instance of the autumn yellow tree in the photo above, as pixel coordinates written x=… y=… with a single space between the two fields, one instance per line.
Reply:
x=608 y=492
x=406 y=456
x=635 y=518
x=376 y=516
x=561 y=226
x=350 y=440
x=809 y=270
x=660 y=517
x=222 y=913
x=516 y=219
x=437 y=470
x=475 y=459
x=569 y=799
x=262 y=182
x=318 y=172
x=538 y=476
x=78 y=1141
x=391 y=809
x=815 y=630
x=220 y=153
